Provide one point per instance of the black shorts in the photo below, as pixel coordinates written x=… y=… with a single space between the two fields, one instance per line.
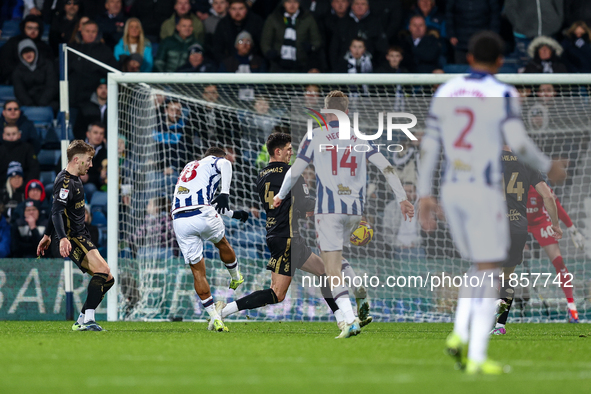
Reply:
x=81 y=245
x=515 y=256
x=287 y=254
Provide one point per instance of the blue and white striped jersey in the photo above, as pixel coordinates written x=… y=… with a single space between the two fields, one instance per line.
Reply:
x=199 y=181
x=341 y=169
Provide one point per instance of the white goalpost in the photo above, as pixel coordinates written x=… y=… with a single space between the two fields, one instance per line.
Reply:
x=157 y=122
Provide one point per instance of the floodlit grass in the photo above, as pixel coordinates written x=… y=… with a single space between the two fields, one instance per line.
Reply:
x=45 y=357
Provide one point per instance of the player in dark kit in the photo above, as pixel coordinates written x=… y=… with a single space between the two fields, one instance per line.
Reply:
x=68 y=236
x=288 y=249
x=517 y=178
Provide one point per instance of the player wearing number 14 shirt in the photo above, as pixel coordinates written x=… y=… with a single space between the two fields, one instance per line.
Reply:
x=469 y=118
x=341 y=178
x=196 y=219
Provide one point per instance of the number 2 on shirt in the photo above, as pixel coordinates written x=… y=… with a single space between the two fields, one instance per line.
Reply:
x=460 y=142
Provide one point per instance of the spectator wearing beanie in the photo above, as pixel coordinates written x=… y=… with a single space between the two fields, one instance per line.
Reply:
x=196 y=62
x=13 y=191
x=243 y=60
x=239 y=18
x=34 y=190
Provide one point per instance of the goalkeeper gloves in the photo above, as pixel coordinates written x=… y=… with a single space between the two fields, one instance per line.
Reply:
x=221 y=203
x=241 y=215
x=576 y=237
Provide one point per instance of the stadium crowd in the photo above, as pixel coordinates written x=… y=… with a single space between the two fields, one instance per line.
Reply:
x=239 y=36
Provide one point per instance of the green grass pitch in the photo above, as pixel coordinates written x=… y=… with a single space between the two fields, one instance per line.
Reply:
x=294 y=357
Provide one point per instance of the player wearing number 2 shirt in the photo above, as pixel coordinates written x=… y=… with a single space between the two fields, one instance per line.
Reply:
x=540 y=226
x=469 y=118
x=196 y=219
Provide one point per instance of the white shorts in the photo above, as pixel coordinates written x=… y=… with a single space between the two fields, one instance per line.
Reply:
x=333 y=230
x=192 y=231
x=477 y=218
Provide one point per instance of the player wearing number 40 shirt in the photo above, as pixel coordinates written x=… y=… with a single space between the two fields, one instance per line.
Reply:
x=540 y=226
x=68 y=237
x=288 y=249
x=517 y=181
x=196 y=219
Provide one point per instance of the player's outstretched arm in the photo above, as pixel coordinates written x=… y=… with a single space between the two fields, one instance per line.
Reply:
x=430 y=148
x=577 y=238
x=544 y=190
x=240 y=215
x=290 y=179
x=407 y=209
x=517 y=138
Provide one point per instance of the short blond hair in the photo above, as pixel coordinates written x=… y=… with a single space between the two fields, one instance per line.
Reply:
x=78 y=147
x=336 y=100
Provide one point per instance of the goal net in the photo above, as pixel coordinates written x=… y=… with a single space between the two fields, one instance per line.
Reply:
x=163 y=121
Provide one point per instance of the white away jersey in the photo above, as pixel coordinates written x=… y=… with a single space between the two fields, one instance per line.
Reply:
x=466 y=116
x=197 y=183
x=341 y=171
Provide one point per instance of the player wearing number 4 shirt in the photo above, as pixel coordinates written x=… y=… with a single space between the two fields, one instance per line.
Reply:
x=288 y=249
x=196 y=219
x=469 y=117
x=517 y=181
x=540 y=226
x=68 y=236
x=341 y=177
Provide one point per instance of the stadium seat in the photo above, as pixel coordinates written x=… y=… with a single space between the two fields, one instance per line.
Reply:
x=456 y=68
x=48 y=159
x=99 y=199
x=49 y=138
x=6 y=93
x=98 y=217
x=47 y=178
x=45 y=36
x=10 y=28
x=40 y=116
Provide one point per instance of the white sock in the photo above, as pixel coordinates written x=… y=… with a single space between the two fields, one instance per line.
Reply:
x=229 y=309
x=339 y=315
x=341 y=297
x=482 y=315
x=499 y=325
x=348 y=272
x=88 y=315
x=80 y=319
x=233 y=270
x=462 y=319
x=571 y=305
x=210 y=307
